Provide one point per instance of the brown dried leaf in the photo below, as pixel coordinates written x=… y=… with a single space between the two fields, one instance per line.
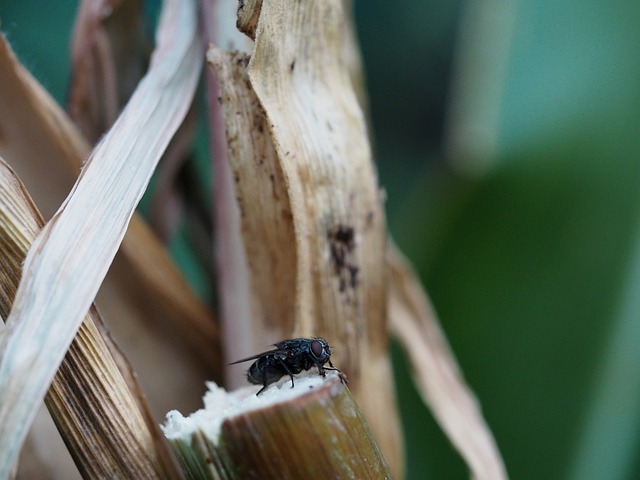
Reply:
x=100 y=413
x=266 y=220
x=109 y=55
x=38 y=130
x=248 y=16
x=436 y=372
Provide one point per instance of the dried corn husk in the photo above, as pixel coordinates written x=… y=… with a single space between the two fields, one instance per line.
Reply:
x=309 y=203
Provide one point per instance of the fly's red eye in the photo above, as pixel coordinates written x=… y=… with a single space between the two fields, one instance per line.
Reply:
x=316 y=348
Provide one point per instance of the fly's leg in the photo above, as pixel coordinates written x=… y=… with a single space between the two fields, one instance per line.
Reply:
x=286 y=369
x=264 y=382
x=342 y=376
x=331 y=368
x=321 y=368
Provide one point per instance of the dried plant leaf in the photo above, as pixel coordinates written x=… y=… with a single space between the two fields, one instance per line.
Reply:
x=316 y=249
x=248 y=16
x=70 y=257
x=436 y=373
x=107 y=430
x=161 y=275
x=266 y=220
x=109 y=52
x=36 y=129
x=299 y=74
x=39 y=131
x=101 y=414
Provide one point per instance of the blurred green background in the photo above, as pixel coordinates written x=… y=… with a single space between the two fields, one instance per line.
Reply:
x=507 y=139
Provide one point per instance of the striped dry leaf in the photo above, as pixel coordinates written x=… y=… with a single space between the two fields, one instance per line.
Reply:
x=94 y=399
x=39 y=154
x=70 y=257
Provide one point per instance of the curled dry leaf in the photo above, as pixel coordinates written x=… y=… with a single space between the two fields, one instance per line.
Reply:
x=436 y=373
x=248 y=16
x=70 y=257
x=109 y=52
x=310 y=208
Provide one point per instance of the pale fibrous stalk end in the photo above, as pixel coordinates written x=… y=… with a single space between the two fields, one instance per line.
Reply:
x=313 y=430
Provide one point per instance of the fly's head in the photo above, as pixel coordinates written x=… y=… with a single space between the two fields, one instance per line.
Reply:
x=320 y=350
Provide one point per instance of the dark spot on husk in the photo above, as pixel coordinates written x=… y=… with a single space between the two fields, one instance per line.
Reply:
x=342 y=245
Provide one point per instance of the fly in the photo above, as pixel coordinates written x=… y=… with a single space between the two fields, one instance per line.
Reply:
x=289 y=357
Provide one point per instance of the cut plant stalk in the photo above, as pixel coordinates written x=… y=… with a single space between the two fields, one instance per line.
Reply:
x=315 y=430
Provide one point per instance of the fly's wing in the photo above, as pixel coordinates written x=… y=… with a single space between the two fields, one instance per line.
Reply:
x=292 y=344
x=286 y=348
x=255 y=357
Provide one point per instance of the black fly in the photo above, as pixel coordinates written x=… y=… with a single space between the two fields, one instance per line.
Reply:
x=288 y=358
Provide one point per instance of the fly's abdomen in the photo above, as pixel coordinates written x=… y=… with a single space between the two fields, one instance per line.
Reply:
x=254 y=374
x=265 y=371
